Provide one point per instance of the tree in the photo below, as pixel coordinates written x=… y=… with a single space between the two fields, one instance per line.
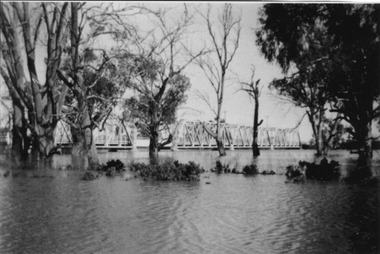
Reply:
x=156 y=74
x=347 y=37
x=354 y=78
x=154 y=116
x=225 y=43
x=301 y=59
x=85 y=71
x=36 y=106
x=252 y=88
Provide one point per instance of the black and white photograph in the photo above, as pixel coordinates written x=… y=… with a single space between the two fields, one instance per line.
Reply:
x=189 y=127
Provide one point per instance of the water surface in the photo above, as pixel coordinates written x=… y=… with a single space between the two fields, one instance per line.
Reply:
x=233 y=214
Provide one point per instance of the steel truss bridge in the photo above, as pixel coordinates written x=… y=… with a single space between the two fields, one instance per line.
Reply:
x=188 y=135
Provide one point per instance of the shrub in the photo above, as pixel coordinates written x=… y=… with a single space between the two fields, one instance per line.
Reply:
x=324 y=171
x=293 y=171
x=250 y=170
x=111 y=167
x=169 y=171
x=223 y=168
x=89 y=176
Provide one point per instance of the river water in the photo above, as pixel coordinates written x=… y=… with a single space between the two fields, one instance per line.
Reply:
x=232 y=214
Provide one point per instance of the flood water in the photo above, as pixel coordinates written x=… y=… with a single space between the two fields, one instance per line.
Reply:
x=232 y=214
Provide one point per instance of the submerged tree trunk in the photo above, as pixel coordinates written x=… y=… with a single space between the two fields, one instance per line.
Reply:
x=221 y=149
x=365 y=150
x=256 y=124
x=153 y=141
x=79 y=150
x=20 y=140
x=218 y=139
x=317 y=131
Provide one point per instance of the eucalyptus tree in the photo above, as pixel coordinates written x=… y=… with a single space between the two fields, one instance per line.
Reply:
x=66 y=34
x=37 y=101
x=302 y=59
x=155 y=68
x=88 y=67
x=336 y=50
x=224 y=34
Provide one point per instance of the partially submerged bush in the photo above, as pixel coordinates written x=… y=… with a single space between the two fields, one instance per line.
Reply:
x=111 y=167
x=221 y=168
x=250 y=170
x=89 y=176
x=169 y=171
x=324 y=171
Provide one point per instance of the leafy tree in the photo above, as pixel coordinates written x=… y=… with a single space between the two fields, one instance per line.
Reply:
x=300 y=51
x=153 y=115
x=154 y=65
x=354 y=76
x=340 y=46
x=86 y=72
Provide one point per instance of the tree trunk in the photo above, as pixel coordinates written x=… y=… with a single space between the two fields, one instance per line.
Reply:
x=365 y=150
x=255 y=147
x=153 y=141
x=20 y=141
x=316 y=132
x=79 y=151
x=221 y=149
x=219 y=142
x=92 y=153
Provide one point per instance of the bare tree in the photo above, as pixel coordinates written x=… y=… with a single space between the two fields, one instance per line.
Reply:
x=225 y=37
x=252 y=88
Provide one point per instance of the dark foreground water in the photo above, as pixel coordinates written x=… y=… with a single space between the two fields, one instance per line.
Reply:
x=233 y=214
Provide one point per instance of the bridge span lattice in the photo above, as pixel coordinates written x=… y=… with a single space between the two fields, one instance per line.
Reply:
x=188 y=135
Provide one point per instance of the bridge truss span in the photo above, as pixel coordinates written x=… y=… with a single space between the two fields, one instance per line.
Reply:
x=197 y=134
x=187 y=135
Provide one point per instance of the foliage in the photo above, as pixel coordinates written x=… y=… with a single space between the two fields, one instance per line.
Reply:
x=325 y=171
x=89 y=176
x=332 y=51
x=143 y=108
x=169 y=171
x=224 y=168
x=155 y=73
x=111 y=167
x=300 y=51
x=221 y=168
x=250 y=170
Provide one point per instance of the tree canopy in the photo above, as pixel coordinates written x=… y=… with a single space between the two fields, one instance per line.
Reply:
x=330 y=53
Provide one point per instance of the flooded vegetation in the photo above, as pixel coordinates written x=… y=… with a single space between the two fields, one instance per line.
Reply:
x=234 y=213
x=138 y=94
